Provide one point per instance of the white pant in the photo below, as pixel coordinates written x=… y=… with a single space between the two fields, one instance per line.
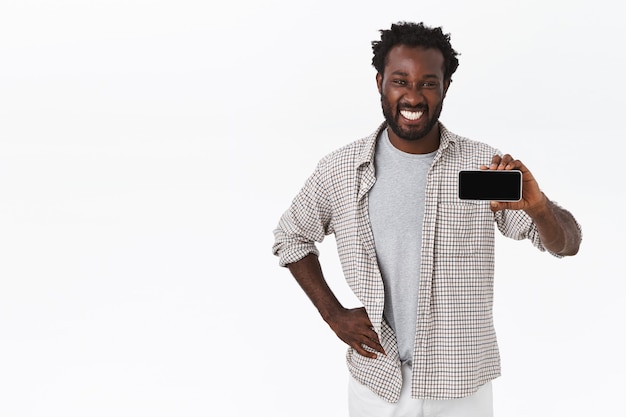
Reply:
x=362 y=402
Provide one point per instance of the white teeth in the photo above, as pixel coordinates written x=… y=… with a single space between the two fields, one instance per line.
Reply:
x=411 y=115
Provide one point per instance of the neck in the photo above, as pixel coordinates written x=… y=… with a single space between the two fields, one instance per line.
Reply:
x=427 y=144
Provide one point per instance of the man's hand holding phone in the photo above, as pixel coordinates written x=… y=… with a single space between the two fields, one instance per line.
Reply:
x=532 y=198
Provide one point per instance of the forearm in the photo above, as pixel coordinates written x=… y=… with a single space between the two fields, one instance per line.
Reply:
x=557 y=228
x=308 y=273
x=353 y=326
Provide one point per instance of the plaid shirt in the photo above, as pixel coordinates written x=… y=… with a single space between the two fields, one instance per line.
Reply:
x=455 y=345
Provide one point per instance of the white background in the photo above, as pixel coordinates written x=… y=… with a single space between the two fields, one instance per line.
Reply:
x=148 y=148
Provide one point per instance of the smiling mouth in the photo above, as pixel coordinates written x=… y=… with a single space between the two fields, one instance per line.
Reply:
x=411 y=115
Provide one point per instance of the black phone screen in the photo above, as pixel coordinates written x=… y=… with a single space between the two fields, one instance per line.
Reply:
x=490 y=185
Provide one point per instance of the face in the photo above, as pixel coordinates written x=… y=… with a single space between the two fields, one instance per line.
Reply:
x=412 y=90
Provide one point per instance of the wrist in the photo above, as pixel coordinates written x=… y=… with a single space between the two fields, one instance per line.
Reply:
x=539 y=209
x=331 y=313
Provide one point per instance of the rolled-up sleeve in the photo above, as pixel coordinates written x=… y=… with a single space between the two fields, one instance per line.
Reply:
x=308 y=220
x=518 y=225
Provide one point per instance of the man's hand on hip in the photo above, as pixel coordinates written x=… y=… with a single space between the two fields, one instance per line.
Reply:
x=354 y=327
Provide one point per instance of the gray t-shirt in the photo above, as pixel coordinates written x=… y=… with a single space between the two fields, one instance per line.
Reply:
x=396 y=211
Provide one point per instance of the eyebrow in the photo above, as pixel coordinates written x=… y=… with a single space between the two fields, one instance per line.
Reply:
x=405 y=74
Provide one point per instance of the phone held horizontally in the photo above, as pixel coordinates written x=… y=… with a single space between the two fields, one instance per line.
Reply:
x=496 y=185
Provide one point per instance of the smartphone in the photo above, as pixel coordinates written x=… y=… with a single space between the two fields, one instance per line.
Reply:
x=490 y=185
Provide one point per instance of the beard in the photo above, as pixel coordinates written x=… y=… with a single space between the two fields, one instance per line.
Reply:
x=411 y=133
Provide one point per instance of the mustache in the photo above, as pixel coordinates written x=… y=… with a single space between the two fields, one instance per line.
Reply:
x=419 y=107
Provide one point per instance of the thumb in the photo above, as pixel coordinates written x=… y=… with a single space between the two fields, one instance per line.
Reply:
x=494 y=206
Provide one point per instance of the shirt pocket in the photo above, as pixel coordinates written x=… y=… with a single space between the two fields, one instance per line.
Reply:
x=463 y=227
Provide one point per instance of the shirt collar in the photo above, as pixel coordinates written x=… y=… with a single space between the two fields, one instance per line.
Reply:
x=367 y=153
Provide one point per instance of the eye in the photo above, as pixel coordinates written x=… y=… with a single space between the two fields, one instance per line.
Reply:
x=429 y=84
x=399 y=82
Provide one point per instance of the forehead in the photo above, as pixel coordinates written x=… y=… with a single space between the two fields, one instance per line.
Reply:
x=414 y=60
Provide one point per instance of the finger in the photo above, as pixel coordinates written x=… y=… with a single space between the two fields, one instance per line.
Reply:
x=372 y=347
x=363 y=352
x=516 y=164
x=369 y=337
x=495 y=161
x=502 y=205
x=375 y=344
x=495 y=206
x=510 y=163
x=368 y=345
x=505 y=161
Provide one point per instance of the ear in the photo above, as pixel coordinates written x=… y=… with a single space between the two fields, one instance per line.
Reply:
x=379 y=82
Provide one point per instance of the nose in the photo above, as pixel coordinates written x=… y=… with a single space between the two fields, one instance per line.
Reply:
x=414 y=96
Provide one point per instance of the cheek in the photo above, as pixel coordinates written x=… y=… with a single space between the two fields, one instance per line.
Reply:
x=388 y=102
x=389 y=95
x=435 y=97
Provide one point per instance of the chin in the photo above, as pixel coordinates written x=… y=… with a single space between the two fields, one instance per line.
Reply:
x=410 y=135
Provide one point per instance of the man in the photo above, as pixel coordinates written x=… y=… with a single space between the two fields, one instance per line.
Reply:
x=419 y=259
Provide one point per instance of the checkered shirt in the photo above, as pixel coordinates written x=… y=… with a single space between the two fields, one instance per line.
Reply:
x=455 y=345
